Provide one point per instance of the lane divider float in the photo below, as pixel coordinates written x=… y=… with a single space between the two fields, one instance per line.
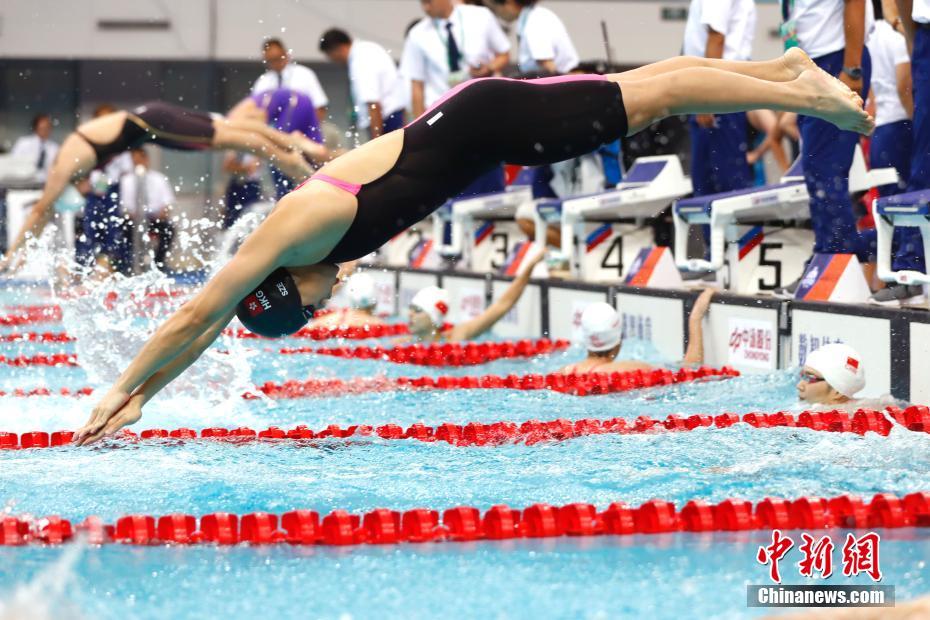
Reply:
x=531 y=432
x=467 y=523
x=442 y=354
x=576 y=385
x=448 y=354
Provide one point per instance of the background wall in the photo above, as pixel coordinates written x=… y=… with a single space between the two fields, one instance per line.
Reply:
x=229 y=29
x=66 y=57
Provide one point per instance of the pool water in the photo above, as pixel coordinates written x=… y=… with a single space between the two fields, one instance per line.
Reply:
x=675 y=575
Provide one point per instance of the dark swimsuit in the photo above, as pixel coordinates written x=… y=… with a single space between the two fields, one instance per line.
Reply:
x=159 y=123
x=475 y=127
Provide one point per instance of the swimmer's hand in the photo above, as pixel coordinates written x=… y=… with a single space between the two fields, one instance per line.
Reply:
x=113 y=412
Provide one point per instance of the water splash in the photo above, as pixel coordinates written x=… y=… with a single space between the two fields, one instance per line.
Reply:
x=113 y=317
x=43 y=597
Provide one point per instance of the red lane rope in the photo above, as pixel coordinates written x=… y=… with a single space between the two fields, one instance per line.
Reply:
x=51 y=359
x=448 y=354
x=37 y=337
x=327 y=333
x=31 y=314
x=530 y=432
x=317 y=333
x=467 y=523
x=579 y=385
x=445 y=354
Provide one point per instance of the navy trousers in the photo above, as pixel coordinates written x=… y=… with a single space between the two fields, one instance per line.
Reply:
x=910 y=250
x=718 y=158
x=891 y=146
x=827 y=154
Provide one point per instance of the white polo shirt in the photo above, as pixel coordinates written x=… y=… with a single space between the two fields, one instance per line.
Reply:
x=425 y=57
x=296 y=77
x=920 y=12
x=734 y=19
x=30 y=148
x=542 y=36
x=888 y=49
x=819 y=25
x=373 y=78
x=158 y=193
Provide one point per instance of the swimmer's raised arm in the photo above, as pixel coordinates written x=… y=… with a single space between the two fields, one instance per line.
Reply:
x=486 y=320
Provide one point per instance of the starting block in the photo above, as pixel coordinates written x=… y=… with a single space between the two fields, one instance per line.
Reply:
x=835 y=278
x=654 y=268
x=738 y=220
x=594 y=227
x=414 y=247
x=910 y=209
x=482 y=227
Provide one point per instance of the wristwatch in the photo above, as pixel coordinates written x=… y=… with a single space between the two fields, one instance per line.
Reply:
x=853 y=72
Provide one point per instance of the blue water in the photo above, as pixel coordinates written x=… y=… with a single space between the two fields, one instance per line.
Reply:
x=681 y=575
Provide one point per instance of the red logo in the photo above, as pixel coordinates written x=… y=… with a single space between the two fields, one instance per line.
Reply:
x=860 y=555
x=773 y=553
x=817 y=556
x=852 y=364
x=442 y=306
x=254 y=307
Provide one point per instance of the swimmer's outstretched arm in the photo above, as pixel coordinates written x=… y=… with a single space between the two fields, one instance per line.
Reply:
x=177 y=336
x=292 y=232
x=130 y=412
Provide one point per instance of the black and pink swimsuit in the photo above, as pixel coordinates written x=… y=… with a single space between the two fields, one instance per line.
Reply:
x=160 y=123
x=476 y=126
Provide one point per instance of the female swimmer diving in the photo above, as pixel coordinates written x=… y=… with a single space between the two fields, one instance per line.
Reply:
x=360 y=200
x=245 y=128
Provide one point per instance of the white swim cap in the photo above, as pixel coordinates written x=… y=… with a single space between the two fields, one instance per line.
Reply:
x=361 y=292
x=841 y=367
x=433 y=301
x=600 y=327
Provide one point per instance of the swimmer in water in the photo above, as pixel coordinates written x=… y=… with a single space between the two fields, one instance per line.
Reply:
x=430 y=306
x=362 y=199
x=362 y=296
x=602 y=335
x=94 y=143
x=832 y=376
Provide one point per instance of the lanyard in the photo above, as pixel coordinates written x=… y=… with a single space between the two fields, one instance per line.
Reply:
x=786 y=7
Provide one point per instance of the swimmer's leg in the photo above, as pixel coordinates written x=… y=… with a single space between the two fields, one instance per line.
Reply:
x=701 y=90
x=782 y=69
x=290 y=162
x=75 y=157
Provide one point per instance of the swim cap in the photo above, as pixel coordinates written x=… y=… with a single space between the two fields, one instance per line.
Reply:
x=433 y=301
x=600 y=327
x=841 y=367
x=273 y=309
x=360 y=289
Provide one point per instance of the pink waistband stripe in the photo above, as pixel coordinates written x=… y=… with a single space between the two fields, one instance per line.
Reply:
x=352 y=188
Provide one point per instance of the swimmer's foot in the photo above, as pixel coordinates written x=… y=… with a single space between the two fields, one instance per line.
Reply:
x=831 y=100
x=796 y=61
